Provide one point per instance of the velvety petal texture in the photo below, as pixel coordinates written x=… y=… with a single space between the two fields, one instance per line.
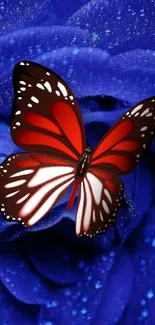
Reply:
x=105 y=51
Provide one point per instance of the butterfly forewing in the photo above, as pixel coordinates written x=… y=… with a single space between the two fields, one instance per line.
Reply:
x=45 y=114
x=122 y=147
x=101 y=196
x=30 y=185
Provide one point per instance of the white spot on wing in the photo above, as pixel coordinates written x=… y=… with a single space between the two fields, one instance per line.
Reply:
x=22 y=82
x=101 y=216
x=34 y=99
x=22 y=63
x=48 y=86
x=23 y=172
x=96 y=187
x=105 y=207
x=12 y=194
x=80 y=211
x=145 y=112
x=18 y=113
x=94 y=219
x=57 y=92
x=106 y=192
x=23 y=198
x=144 y=128
x=40 y=86
x=14 y=184
x=88 y=207
x=136 y=109
x=62 y=89
x=149 y=114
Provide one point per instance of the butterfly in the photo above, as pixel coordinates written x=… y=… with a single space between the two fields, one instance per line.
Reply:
x=46 y=122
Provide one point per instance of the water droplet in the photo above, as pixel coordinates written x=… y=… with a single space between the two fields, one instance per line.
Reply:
x=36 y=288
x=89 y=277
x=153 y=243
x=150 y=294
x=98 y=284
x=145 y=313
x=143 y=302
x=84 y=299
x=74 y=312
x=49 y=304
x=83 y=311
x=67 y=292
x=147 y=240
x=81 y=264
x=75 y=51
x=54 y=303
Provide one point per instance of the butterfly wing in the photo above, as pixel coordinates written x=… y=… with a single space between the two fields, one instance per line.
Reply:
x=30 y=185
x=101 y=193
x=122 y=147
x=45 y=114
x=100 y=198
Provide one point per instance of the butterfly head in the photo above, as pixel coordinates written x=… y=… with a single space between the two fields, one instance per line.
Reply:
x=88 y=149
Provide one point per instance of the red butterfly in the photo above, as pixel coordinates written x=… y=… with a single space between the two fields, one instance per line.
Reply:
x=46 y=121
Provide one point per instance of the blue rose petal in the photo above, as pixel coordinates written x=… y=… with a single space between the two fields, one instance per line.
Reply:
x=138 y=192
x=19 y=277
x=120 y=26
x=100 y=48
x=95 y=72
x=117 y=292
x=14 y=312
x=6 y=144
x=79 y=303
x=141 y=306
x=37 y=41
x=54 y=256
x=17 y=14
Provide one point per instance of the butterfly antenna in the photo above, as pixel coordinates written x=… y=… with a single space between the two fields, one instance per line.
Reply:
x=73 y=194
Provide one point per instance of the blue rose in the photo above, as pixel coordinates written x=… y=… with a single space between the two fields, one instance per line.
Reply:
x=105 y=52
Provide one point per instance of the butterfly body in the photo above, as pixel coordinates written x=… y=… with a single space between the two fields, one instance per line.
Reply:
x=56 y=157
x=81 y=170
x=83 y=163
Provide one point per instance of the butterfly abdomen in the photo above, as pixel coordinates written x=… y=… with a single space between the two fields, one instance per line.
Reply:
x=79 y=175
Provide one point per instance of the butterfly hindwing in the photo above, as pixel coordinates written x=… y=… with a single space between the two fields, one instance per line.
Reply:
x=45 y=114
x=122 y=147
x=30 y=185
x=101 y=196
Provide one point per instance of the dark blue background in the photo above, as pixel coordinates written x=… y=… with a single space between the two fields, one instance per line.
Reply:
x=105 y=52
